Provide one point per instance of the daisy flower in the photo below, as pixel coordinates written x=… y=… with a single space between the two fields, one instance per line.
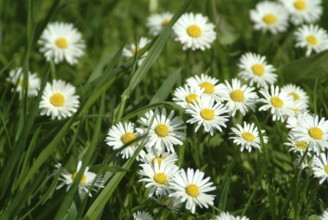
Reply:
x=208 y=85
x=141 y=215
x=186 y=95
x=88 y=182
x=59 y=100
x=269 y=16
x=157 y=22
x=132 y=49
x=239 y=97
x=191 y=186
x=300 y=98
x=164 y=130
x=171 y=203
x=124 y=135
x=279 y=103
x=303 y=11
x=16 y=77
x=296 y=146
x=311 y=37
x=159 y=156
x=254 y=68
x=194 y=31
x=247 y=137
x=158 y=177
x=320 y=167
x=228 y=216
x=61 y=41
x=324 y=215
x=303 y=163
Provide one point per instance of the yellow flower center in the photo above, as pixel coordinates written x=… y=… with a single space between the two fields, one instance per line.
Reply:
x=300 y=4
x=237 y=95
x=295 y=96
x=62 y=43
x=277 y=102
x=135 y=50
x=301 y=144
x=165 y=22
x=316 y=133
x=128 y=138
x=83 y=179
x=159 y=161
x=269 y=19
x=160 y=178
x=57 y=99
x=162 y=130
x=192 y=190
x=207 y=114
x=248 y=136
x=326 y=168
x=258 y=69
x=194 y=31
x=191 y=98
x=208 y=87
x=312 y=40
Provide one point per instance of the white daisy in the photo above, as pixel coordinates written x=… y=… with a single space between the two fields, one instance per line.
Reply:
x=208 y=85
x=132 y=49
x=186 y=95
x=228 y=216
x=303 y=11
x=269 y=16
x=159 y=156
x=247 y=137
x=320 y=167
x=124 y=135
x=164 y=131
x=194 y=31
x=89 y=181
x=172 y=204
x=158 y=177
x=278 y=102
x=157 y=22
x=59 y=100
x=255 y=69
x=324 y=215
x=311 y=37
x=239 y=97
x=297 y=146
x=16 y=77
x=141 y=215
x=191 y=186
x=61 y=41
x=300 y=98
x=208 y=113
x=303 y=162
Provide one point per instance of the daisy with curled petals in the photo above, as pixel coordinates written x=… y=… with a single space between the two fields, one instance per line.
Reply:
x=159 y=156
x=303 y=11
x=254 y=68
x=300 y=98
x=194 y=31
x=171 y=203
x=297 y=146
x=87 y=180
x=247 y=137
x=16 y=77
x=324 y=215
x=269 y=16
x=208 y=85
x=228 y=216
x=311 y=37
x=141 y=215
x=59 y=100
x=61 y=41
x=239 y=97
x=158 y=177
x=157 y=22
x=279 y=103
x=191 y=186
x=124 y=135
x=132 y=49
x=320 y=167
x=164 y=131
x=186 y=95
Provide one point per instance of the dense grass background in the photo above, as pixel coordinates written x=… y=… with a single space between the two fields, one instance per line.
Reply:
x=261 y=185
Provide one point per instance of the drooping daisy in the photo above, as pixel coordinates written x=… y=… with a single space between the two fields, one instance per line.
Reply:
x=158 y=177
x=124 y=135
x=141 y=215
x=278 y=102
x=132 y=49
x=324 y=215
x=303 y=162
x=159 y=156
x=87 y=181
x=247 y=137
x=157 y=22
x=186 y=95
x=303 y=11
x=61 y=41
x=228 y=216
x=254 y=68
x=208 y=85
x=311 y=37
x=297 y=146
x=320 y=167
x=269 y=16
x=172 y=204
x=191 y=186
x=164 y=130
x=299 y=96
x=59 y=100
x=16 y=77
x=239 y=97
x=194 y=31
